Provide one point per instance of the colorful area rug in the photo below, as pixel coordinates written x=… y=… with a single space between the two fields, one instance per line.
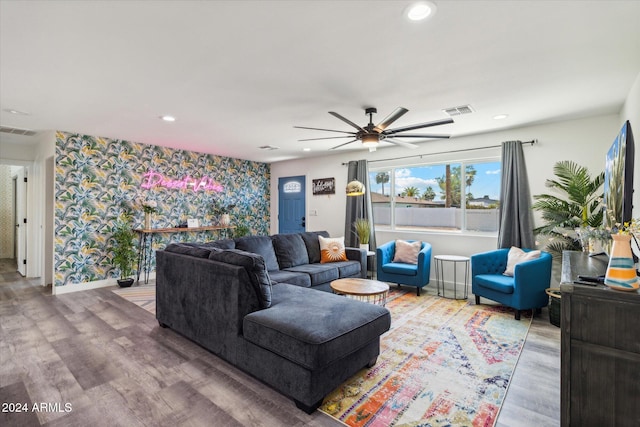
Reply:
x=143 y=296
x=443 y=363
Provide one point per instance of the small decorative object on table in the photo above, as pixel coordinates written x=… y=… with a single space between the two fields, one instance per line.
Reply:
x=363 y=231
x=621 y=273
x=149 y=207
x=222 y=212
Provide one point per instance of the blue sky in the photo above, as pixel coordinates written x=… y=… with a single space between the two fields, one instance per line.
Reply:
x=486 y=182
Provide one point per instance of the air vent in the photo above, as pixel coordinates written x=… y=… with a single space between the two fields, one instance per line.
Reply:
x=458 y=111
x=16 y=131
x=269 y=147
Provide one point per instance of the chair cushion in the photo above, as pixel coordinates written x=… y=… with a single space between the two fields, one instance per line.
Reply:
x=314 y=329
x=261 y=245
x=496 y=282
x=292 y=277
x=407 y=252
x=310 y=239
x=400 y=268
x=290 y=250
x=516 y=256
x=332 y=249
x=348 y=268
x=319 y=273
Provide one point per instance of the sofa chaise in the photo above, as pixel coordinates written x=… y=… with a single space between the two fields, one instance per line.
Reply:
x=301 y=342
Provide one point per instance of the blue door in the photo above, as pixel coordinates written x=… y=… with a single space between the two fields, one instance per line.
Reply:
x=291 y=204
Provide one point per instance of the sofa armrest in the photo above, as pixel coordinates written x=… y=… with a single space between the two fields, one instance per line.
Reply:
x=360 y=255
x=424 y=262
x=533 y=277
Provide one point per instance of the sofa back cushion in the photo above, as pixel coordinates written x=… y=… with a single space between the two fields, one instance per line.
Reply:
x=220 y=244
x=188 y=249
x=310 y=239
x=261 y=245
x=290 y=250
x=254 y=264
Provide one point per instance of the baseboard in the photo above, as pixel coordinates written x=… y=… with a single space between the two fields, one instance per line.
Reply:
x=85 y=286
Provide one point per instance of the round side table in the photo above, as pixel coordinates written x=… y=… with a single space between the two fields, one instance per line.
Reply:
x=439 y=267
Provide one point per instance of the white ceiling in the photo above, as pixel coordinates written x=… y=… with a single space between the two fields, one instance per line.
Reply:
x=240 y=74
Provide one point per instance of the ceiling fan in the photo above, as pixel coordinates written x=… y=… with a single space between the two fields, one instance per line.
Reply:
x=371 y=134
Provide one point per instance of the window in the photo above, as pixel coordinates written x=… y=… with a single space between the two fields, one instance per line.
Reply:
x=456 y=196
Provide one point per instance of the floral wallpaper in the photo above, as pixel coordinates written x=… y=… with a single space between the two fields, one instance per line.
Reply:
x=100 y=181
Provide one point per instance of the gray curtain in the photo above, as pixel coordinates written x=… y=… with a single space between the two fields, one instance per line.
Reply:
x=359 y=206
x=516 y=224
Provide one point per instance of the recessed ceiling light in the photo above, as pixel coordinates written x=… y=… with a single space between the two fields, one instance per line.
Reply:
x=500 y=117
x=420 y=10
x=168 y=118
x=17 y=112
x=306 y=149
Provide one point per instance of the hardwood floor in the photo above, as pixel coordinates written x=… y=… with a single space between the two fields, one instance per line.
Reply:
x=93 y=358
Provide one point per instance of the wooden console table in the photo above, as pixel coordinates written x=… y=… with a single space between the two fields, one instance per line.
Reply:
x=600 y=348
x=145 y=242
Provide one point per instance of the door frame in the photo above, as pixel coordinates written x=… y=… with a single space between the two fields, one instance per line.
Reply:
x=303 y=193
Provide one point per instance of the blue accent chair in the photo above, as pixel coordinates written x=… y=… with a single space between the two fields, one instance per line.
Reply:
x=403 y=274
x=524 y=291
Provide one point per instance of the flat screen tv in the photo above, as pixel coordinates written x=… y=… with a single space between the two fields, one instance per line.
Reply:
x=618 y=179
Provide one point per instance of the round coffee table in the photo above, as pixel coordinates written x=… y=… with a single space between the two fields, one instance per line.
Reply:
x=367 y=290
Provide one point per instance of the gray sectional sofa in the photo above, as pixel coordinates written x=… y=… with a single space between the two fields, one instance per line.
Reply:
x=258 y=307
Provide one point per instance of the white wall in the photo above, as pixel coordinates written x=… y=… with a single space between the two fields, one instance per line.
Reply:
x=33 y=155
x=631 y=111
x=44 y=155
x=585 y=141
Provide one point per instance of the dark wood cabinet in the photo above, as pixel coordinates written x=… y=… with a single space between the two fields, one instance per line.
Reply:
x=600 y=351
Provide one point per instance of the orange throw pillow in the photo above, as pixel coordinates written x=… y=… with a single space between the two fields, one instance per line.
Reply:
x=332 y=249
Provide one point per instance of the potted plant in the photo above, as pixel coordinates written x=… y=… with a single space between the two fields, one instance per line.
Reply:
x=577 y=206
x=222 y=212
x=241 y=231
x=363 y=231
x=124 y=253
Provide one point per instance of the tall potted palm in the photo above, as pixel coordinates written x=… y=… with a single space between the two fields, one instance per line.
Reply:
x=578 y=204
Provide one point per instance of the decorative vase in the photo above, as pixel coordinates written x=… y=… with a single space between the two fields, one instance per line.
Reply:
x=147 y=220
x=364 y=246
x=225 y=220
x=621 y=272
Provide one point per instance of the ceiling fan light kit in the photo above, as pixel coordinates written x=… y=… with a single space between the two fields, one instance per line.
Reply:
x=371 y=135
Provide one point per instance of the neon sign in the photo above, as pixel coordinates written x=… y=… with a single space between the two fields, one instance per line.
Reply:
x=153 y=179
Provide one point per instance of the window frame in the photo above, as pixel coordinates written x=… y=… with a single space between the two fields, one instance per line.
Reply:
x=391 y=170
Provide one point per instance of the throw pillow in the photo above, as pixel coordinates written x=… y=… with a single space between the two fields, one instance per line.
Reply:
x=407 y=252
x=516 y=256
x=332 y=249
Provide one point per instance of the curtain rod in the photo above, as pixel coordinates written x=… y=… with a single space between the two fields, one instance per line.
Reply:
x=533 y=141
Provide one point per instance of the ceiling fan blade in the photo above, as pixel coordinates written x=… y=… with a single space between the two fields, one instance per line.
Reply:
x=347 y=121
x=338 y=146
x=399 y=112
x=425 y=135
x=402 y=143
x=328 y=137
x=328 y=130
x=420 y=126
